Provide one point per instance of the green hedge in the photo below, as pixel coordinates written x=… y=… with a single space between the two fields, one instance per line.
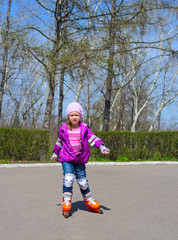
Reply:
x=23 y=144
x=33 y=145
x=139 y=145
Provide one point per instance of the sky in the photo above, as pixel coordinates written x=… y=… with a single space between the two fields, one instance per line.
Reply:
x=170 y=115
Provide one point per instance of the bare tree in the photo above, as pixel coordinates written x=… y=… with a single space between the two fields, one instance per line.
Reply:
x=138 y=51
x=50 y=57
x=165 y=99
x=110 y=73
x=5 y=50
x=156 y=69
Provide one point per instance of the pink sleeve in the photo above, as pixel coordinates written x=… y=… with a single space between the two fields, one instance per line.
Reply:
x=93 y=139
x=58 y=144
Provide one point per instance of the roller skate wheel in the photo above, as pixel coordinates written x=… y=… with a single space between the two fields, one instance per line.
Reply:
x=100 y=211
x=66 y=214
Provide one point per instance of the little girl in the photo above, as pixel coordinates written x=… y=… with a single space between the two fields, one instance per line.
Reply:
x=73 y=150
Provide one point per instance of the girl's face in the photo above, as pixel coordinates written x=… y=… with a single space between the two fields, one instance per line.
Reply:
x=74 y=118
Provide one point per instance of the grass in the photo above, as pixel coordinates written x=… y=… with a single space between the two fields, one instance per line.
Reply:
x=93 y=159
x=163 y=159
x=2 y=161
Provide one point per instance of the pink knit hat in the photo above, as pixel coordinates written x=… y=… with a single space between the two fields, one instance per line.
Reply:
x=74 y=107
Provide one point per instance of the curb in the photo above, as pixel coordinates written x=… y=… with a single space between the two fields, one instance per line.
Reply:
x=22 y=165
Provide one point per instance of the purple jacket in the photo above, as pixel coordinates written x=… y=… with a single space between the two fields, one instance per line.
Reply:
x=64 y=149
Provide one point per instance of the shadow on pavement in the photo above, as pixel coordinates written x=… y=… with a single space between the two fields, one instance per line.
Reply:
x=80 y=205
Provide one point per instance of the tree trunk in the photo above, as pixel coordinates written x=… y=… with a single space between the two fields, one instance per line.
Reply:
x=134 y=112
x=5 y=56
x=53 y=65
x=110 y=71
x=46 y=123
x=61 y=97
x=107 y=102
x=61 y=86
x=88 y=100
x=159 y=122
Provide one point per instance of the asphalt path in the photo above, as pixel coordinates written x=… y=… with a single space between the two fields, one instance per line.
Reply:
x=139 y=203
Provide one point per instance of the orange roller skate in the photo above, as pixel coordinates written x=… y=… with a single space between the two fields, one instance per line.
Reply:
x=66 y=204
x=92 y=205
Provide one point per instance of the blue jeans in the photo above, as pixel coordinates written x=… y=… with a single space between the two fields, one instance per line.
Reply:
x=79 y=170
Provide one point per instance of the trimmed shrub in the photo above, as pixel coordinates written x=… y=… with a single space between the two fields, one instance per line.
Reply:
x=140 y=145
x=33 y=145
x=23 y=144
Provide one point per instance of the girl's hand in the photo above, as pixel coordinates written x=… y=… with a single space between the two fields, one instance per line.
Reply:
x=105 y=152
x=104 y=149
x=53 y=158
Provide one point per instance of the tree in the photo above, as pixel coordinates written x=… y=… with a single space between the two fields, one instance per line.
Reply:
x=110 y=71
x=166 y=97
x=12 y=61
x=50 y=57
x=80 y=50
x=157 y=68
x=140 y=19
x=5 y=51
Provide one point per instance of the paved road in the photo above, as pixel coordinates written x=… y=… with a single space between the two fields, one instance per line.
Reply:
x=139 y=202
